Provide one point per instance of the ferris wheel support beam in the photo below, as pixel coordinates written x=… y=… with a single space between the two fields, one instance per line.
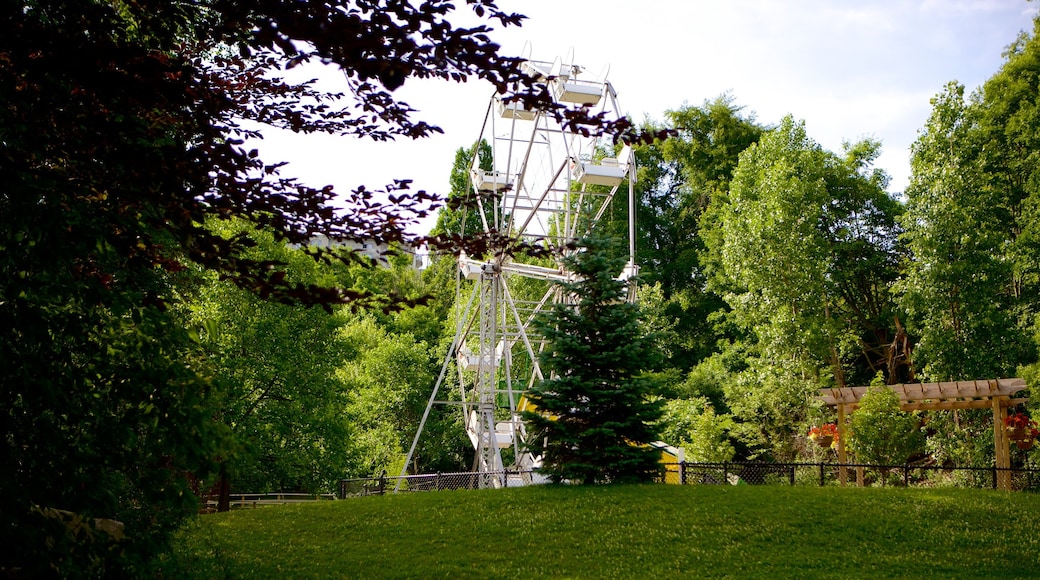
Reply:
x=473 y=267
x=536 y=272
x=538 y=204
x=521 y=171
x=488 y=457
x=475 y=162
x=521 y=182
x=632 y=267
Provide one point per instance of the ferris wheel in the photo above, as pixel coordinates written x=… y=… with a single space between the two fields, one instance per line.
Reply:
x=548 y=186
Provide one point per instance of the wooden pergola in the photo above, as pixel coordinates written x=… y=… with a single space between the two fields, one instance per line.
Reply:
x=995 y=394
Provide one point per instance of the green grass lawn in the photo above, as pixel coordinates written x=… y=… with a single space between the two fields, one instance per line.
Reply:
x=651 y=531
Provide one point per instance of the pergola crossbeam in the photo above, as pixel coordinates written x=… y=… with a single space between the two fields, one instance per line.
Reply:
x=924 y=392
x=955 y=405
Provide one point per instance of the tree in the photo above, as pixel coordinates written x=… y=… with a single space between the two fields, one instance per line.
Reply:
x=972 y=223
x=676 y=180
x=595 y=417
x=801 y=248
x=958 y=287
x=1009 y=127
x=389 y=376
x=274 y=366
x=463 y=220
x=881 y=432
x=704 y=435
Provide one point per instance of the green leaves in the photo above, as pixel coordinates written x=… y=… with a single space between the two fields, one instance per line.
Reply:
x=881 y=432
x=966 y=223
x=275 y=366
x=801 y=249
x=595 y=416
x=389 y=377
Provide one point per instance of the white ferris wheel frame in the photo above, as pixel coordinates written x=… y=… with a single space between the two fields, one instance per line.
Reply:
x=548 y=186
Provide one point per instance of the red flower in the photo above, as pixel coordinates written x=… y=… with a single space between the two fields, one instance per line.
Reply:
x=1019 y=421
x=825 y=430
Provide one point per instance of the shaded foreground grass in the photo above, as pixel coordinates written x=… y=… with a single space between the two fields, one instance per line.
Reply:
x=626 y=532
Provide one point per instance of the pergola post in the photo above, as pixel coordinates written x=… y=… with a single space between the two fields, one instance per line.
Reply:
x=843 y=476
x=1002 y=452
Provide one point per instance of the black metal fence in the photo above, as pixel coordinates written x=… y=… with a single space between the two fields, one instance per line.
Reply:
x=822 y=474
x=435 y=482
x=730 y=473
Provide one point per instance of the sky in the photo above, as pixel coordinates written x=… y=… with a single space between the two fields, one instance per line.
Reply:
x=850 y=69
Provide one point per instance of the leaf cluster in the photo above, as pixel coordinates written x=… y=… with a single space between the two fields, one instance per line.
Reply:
x=881 y=432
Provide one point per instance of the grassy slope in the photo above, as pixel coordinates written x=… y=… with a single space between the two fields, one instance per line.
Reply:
x=627 y=532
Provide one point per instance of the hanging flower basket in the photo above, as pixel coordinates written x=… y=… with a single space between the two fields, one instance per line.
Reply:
x=824 y=440
x=1022 y=430
x=825 y=435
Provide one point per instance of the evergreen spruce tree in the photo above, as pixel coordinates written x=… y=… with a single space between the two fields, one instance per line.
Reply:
x=594 y=414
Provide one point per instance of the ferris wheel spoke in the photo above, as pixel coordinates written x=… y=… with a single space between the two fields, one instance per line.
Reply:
x=522 y=327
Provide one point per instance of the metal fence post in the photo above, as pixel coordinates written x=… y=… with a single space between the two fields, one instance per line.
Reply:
x=725 y=472
x=437 y=481
x=381 y=486
x=682 y=472
x=821 y=475
x=906 y=475
x=994 y=477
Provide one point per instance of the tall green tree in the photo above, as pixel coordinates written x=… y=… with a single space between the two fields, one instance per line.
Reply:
x=801 y=249
x=595 y=415
x=676 y=179
x=1009 y=127
x=464 y=219
x=973 y=285
x=958 y=287
x=274 y=366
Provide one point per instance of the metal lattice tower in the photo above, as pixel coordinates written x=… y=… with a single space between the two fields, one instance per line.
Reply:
x=547 y=186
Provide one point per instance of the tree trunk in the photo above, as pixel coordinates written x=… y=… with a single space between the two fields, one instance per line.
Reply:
x=224 y=494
